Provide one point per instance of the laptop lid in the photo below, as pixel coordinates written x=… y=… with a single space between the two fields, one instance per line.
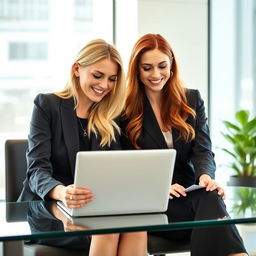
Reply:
x=125 y=181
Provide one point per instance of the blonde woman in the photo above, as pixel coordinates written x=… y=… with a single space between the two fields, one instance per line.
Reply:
x=82 y=117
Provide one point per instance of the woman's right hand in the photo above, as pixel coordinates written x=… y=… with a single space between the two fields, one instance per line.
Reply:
x=71 y=196
x=176 y=190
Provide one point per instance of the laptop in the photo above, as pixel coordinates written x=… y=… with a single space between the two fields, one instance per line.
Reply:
x=124 y=181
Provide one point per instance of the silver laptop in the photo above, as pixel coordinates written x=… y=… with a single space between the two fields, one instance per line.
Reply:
x=124 y=182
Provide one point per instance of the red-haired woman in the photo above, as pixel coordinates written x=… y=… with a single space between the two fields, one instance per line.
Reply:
x=161 y=113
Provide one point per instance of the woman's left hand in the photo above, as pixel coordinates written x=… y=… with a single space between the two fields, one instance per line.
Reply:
x=210 y=184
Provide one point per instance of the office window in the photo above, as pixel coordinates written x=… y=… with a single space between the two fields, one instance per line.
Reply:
x=24 y=10
x=27 y=51
x=38 y=42
x=83 y=10
x=233 y=69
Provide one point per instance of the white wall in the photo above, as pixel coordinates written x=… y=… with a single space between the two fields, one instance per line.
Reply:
x=126 y=27
x=182 y=22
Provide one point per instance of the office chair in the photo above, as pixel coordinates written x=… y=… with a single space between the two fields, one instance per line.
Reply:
x=15 y=172
x=15 y=168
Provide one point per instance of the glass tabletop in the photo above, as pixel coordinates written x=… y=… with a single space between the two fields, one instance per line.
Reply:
x=42 y=219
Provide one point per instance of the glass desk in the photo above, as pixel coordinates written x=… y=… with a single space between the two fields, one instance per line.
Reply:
x=41 y=220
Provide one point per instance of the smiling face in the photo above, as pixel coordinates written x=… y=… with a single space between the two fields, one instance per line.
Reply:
x=154 y=70
x=96 y=80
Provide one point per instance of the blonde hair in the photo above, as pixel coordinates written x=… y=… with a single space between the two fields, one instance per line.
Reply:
x=102 y=114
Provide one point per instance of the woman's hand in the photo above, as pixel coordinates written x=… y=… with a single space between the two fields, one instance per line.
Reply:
x=71 y=196
x=75 y=197
x=210 y=184
x=69 y=226
x=176 y=190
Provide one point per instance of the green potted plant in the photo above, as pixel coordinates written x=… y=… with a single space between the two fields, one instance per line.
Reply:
x=242 y=135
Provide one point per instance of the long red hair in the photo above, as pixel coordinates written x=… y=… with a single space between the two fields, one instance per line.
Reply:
x=175 y=109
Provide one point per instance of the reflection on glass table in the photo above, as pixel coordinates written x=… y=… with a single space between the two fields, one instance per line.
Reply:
x=38 y=211
x=45 y=219
x=244 y=202
x=44 y=223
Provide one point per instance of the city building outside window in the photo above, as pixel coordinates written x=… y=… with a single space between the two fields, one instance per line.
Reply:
x=38 y=41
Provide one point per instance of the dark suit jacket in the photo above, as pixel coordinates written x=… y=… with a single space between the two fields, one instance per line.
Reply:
x=193 y=158
x=53 y=142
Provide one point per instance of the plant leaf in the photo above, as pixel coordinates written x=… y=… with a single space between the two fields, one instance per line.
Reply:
x=237 y=169
x=229 y=152
x=229 y=138
x=242 y=117
x=250 y=127
x=239 y=138
x=240 y=151
x=231 y=126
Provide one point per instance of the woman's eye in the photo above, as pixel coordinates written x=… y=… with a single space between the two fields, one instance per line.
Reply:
x=96 y=76
x=112 y=79
x=162 y=67
x=146 y=68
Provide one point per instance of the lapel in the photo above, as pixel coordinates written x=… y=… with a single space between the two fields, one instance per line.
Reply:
x=177 y=142
x=152 y=128
x=151 y=125
x=70 y=130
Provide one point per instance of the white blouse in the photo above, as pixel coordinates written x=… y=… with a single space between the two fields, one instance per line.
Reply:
x=168 y=139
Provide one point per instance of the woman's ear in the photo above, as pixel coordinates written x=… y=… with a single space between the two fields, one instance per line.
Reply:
x=171 y=73
x=76 y=69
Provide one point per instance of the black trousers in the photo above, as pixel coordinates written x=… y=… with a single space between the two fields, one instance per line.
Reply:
x=212 y=241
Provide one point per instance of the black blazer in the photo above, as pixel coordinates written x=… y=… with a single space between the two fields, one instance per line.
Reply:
x=193 y=158
x=53 y=142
